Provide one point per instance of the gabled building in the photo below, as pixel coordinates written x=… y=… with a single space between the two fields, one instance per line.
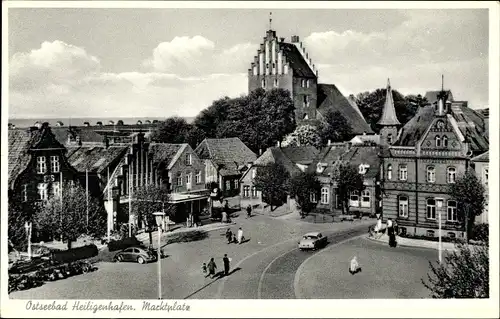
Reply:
x=287 y=65
x=429 y=153
x=225 y=161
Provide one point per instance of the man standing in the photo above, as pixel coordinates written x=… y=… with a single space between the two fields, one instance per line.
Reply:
x=226 y=265
x=211 y=268
x=249 y=210
x=240 y=235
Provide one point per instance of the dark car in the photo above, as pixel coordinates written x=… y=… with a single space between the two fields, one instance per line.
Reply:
x=135 y=254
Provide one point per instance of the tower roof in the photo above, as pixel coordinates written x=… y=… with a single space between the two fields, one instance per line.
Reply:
x=389 y=113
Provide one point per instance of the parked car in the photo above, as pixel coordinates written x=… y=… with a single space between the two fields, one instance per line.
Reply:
x=136 y=254
x=313 y=241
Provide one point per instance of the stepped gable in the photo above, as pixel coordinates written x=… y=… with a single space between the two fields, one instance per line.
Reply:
x=296 y=61
x=389 y=117
x=329 y=97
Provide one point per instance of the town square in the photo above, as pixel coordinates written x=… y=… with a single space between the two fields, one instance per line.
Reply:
x=242 y=154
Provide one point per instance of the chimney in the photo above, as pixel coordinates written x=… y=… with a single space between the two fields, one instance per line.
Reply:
x=282 y=40
x=295 y=39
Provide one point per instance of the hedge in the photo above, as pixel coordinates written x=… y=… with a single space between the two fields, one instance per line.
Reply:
x=65 y=256
x=121 y=244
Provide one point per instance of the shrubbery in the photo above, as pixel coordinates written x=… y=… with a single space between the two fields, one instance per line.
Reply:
x=480 y=232
x=115 y=245
x=64 y=256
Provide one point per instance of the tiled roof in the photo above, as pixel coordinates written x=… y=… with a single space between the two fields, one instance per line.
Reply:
x=227 y=153
x=328 y=156
x=354 y=105
x=87 y=134
x=389 y=116
x=20 y=142
x=276 y=155
x=94 y=158
x=296 y=60
x=163 y=152
x=301 y=154
x=413 y=130
x=373 y=138
x=329 y=97
x=485 y=157
x=432 y=96
x=358 y=155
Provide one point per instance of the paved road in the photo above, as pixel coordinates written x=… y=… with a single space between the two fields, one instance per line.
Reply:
x=270 y=274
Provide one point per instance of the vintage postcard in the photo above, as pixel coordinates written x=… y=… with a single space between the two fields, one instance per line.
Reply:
x=249 y=159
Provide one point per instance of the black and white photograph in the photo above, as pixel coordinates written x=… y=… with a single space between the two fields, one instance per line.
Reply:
x=334 y=158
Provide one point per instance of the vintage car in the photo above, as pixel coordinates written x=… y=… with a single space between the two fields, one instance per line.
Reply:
x=138 y=254
x=313 y=241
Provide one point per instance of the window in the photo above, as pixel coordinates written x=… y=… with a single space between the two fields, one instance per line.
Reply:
x=365 y=198
x=452 y=211
x=354 y=199
x=389 y=138
x=430 y=233
x=179 y=180
x=431 y=208
x=254 y=191
x=306 y=100
x=228 y=185
x=389 y=171
x=325 y=194
x=41 y=165
x=403 y=172
x=246 y=191
x=362 y=169
x=189 y=178
x=189 y=159
x=402 y=231
x=42 y=191
x=452 y=235
x=451 y=174
x=445 y=141
x=431 y=174
x=303 y=83
x=276 y=83
x=307 y=83
x=403 y=206
x=54 y=164
x=438 y=141
x=56 y=189
x=24 y=193
x=313 y=198
x=198 y=177
x=254 y=173
x=485 y=175
x=263 y=83
x=236 y=184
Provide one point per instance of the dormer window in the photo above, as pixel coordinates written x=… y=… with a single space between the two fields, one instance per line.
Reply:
x=362 y=169
x=320 y=168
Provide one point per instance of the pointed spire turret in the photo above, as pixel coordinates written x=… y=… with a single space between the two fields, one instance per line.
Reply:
x=389 y=112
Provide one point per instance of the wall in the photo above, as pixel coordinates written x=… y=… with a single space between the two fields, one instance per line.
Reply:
x=247 y=180
x=299 y=92
x=180 y=168
x=479 y=169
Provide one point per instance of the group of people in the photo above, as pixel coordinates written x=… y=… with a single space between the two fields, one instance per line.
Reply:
x=231 y=238
x=209 y=270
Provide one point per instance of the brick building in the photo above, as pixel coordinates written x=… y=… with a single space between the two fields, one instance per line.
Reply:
x=427 y=155
x=280 y=64
x=481 y=166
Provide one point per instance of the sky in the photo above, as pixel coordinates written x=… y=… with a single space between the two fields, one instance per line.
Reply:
x=174 y=62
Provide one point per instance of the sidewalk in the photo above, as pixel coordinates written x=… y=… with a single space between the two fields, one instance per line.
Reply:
x=414 y=242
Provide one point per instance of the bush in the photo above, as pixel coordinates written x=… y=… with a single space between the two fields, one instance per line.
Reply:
x=480 y=232
x=423 y=237
x=184 y=237
x=75 y=254
x=115 y=245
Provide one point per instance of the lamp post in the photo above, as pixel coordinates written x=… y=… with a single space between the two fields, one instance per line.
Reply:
x=28 y=226
x=439 y=204
x=159 y=221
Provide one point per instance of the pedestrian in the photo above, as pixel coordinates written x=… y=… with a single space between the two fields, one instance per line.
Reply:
x=204 y=269
x=211 y=268
x=240 y=235
x=249 y=210
x=229 y=235
x=224 y=217
x=354 y=267
x=226 y=265
x=234 y=239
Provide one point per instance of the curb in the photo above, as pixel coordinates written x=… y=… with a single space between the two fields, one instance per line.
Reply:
x=408 y=245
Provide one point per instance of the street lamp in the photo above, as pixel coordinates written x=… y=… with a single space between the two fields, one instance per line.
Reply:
x=159 y=221
x=28 y=226
x=439 y=204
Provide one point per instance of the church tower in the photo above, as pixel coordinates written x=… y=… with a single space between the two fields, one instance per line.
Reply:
x=389 y=121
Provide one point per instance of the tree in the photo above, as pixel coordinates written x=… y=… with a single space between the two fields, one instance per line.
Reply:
x=147 y=200
x=70 y=220
x=195 y=136
x=372 y=104
x=272 y=181
x=211 y=118
x=302 y=187
x=469 y=192
x=119 y=123
x=303 y=135
x=173 y=130
x=335 y=128
x=19 y=213
x=348 y=180
x=463 y=274
x=417 y=101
